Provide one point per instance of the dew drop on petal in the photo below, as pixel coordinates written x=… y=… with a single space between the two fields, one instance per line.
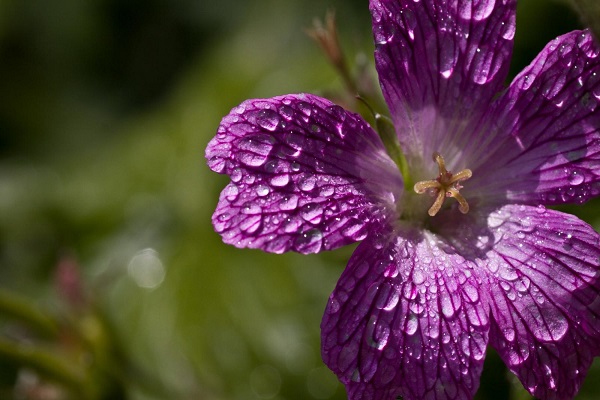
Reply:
x=447 y=306
x=251 y=208
x=307 y=183
x=509 y=334
x=236 y=175
x=411 y=324
x=575 y=178
x=288 y=202
x=305 y=107
x=280 y=180
x=268 y=119
x=287 y=112
x=217 y=164
x=418 y=277
x=377 y=333
x=471 y=294
x=251 y=223
x=231 y=192
x=262 y=190
x=312 y=212
x=309 y=241
x=255 y=150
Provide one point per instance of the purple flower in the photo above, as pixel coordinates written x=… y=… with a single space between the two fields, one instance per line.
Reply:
x=436 y=280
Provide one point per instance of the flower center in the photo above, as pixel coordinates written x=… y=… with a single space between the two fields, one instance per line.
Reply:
x=445 y=185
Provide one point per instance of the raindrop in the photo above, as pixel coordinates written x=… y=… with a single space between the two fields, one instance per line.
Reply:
x=353 y=229
x=295 y=166
x=312 y=213
x=251 y=208
x=377 y=333
x=447 y=306
x=418 y=277
x=309 y=241
x=509 y=334
x=262 y=190
x=217 y=164
x=231 y=192
x=255 y=149
x=236 y=175
x=305 y=107
x=268 y=119
x=289 y=202
x=280 y=180
x=287 y=112
x=471 y=293
x=575 y=178
x=307 y=183
x=411 y=325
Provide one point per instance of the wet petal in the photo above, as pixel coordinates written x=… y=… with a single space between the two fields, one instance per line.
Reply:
x=306 y=175
x=549 y=121
x=440 y=63
x=406 y=319
x=544 y=270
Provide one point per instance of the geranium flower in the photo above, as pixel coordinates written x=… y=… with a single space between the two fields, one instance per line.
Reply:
x=435 y=280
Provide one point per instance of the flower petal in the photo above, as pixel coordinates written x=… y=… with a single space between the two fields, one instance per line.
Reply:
x=306 y=175
x=544 y=270
x=440 y=62
x=549 y=120
x=406 y=319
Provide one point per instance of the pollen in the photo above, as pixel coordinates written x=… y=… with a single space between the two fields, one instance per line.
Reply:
x=445 y=185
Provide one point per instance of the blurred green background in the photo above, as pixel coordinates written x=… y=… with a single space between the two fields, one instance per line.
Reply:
x=113 y=284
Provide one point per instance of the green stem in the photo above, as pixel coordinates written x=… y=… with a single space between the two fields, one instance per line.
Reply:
x=22 y=309
x=43 y=361
x=387 y=132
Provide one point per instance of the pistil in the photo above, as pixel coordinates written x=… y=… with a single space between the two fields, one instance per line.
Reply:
x=445 y=185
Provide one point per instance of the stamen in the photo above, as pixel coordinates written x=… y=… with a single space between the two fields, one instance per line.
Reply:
x=445 y=185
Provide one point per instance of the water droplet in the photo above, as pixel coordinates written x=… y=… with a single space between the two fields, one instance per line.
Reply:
x=354 y=229
x=312 y=213
x=254 y=150
x=268 y=119
x=262 y=190
x=288 y=202
x=251 y=208
x=307 y=183
x=217 y=164
x=231 y=192
x=411 y=325
x=236 y=175
x=471 y=294
x=309 y=241
x=333 y=306
x=287 y=112
x=418 y=277
x=447 y=306
x=305 y=107
x=251 y=223
x=295 y=166
x=280 y=180
x=523 y=284
x=377 y=333
x=575 y=178
x=409 y=291
x=509 y=334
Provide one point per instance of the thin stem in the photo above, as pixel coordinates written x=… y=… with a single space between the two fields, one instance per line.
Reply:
x=22 y=309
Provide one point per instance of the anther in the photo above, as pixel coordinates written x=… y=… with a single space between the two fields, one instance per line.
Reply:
x=445 y=185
